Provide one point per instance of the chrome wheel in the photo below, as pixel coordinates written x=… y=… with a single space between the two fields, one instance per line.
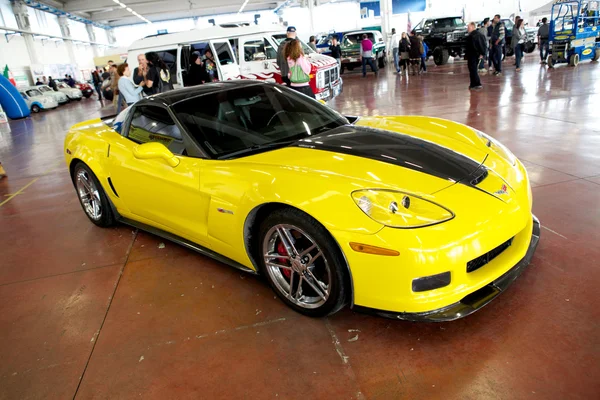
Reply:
x=88 y=194
x=297 y=266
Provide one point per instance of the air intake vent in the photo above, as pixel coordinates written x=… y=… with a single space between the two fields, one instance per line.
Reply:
x=479 y=176
x=480 y=261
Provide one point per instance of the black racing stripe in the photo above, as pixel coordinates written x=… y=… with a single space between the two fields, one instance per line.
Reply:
x=394 y=148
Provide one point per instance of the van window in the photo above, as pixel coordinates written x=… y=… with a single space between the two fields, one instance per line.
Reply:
x=224 y=56
x=259 y=49
x=169 y=57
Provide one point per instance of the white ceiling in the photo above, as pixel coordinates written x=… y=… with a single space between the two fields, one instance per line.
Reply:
x=110 y=13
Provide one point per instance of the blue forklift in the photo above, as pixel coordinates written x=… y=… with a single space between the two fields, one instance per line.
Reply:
x=574 y=32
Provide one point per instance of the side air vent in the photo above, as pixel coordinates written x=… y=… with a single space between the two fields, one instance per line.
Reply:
x=479 y=176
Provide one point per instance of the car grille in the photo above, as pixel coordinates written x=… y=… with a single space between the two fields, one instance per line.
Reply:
x=482 y=260
x=331 y=76
x=352 y=53
x=457 y=36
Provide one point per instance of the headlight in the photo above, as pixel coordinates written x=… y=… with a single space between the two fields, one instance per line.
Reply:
x=400 y=210
x=497 y=147
x=321 y=79
x=449 y=37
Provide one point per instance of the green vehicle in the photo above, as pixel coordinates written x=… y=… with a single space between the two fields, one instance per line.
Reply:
x=351 y=48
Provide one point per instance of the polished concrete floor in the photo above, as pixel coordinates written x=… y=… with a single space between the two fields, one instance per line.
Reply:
x=110 y=313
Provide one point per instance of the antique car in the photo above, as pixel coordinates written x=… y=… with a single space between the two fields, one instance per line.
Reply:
x=36 y=101
x=351 y=48
x=86 y=89
x=408 y=217
x=72 y=93
x=46 y=90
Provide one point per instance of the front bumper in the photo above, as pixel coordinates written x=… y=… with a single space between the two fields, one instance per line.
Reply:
x=473 y=301
x=331 y=91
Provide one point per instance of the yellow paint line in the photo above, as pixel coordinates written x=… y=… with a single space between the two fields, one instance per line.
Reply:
x=18 y=192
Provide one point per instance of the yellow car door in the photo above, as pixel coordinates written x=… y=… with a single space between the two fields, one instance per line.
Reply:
x=158 y=184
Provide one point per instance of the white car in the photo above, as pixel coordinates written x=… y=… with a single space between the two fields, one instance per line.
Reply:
x=46 y=90
x=72 y=93
x=36 y=101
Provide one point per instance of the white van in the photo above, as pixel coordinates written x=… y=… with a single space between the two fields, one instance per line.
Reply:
x=240 y=52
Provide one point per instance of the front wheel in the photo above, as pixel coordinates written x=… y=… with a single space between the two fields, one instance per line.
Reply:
x=302 y=263
x=35 y=108
x=596 y=55
x=550 y=62
x=93 y=200
x=574 y=60
x=440 y=56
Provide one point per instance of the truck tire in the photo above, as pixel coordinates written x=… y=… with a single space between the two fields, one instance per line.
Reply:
x=574 y=60
x=597 y=55
x=529 y=47
x=440 y=56
x=381 y=61
x=550 y=62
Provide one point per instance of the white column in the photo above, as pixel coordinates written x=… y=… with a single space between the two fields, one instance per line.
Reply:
x=22 y=16
x=311 y=16
x=110 y=34
x=92 y=36
x=66 y=33
x=386 y=19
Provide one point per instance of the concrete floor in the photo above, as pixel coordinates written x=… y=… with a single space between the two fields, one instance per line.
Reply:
x=107 y=313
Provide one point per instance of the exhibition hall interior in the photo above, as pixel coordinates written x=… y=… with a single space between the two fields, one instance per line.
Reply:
x=290 y=199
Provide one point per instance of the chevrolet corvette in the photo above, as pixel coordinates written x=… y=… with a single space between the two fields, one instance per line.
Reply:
x=407 y=217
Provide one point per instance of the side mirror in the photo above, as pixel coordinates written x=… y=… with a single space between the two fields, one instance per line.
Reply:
x=153 y=150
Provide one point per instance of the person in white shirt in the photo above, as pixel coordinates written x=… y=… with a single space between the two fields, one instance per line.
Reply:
x=127 y=88
x=394 y=46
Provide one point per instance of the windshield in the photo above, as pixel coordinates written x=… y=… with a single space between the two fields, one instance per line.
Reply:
x=282 y=36
x=355 y=38
x=244 y=120
x=442 y=23
x=45 y=89
x=33 y=93
x=325 y=40
x=508 y=23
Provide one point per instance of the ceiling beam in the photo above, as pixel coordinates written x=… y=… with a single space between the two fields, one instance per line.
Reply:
x=89 y=5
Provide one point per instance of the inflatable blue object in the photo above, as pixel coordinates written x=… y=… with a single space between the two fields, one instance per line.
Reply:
x=11 y=100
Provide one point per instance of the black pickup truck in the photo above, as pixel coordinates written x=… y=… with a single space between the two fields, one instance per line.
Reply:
x=445 y=37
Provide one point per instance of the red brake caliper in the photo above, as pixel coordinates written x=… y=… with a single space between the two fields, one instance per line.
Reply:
x=282 y=251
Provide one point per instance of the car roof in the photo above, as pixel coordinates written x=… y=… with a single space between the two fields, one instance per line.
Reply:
x=173 y=97
x=363 y=31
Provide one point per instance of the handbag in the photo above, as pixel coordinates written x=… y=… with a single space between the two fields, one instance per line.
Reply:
x=298 y=75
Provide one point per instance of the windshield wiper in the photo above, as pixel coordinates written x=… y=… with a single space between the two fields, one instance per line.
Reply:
x=257 y=147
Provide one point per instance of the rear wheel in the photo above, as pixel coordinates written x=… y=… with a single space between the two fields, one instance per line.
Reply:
x=302 y=263
x=574 y=60
x=93 y=200
x=440 y=56
x=35 y=108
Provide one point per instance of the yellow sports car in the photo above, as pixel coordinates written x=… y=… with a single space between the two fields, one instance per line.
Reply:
x=413 y=218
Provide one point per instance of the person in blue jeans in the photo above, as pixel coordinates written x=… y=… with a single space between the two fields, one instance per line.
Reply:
x=498 y=40
x=424 y=55
x=366 y=54
x=543 y=35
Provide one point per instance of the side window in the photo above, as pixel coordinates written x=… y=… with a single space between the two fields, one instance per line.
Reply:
x=223 y=54
x=254 y=50
x=154 y=124
x=270 y=51
x=170 y=58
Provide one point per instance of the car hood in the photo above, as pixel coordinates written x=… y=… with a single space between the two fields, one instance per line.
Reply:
x=375 y=153
x=321 y=60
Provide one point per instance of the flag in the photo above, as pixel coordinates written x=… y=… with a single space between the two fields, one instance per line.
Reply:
x=409 y=23
x=8 y=75
x=464 y=13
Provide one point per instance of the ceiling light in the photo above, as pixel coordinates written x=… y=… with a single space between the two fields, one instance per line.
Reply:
x=116 y=1
x=243 y=6
x=129 y=9
x=122 y=5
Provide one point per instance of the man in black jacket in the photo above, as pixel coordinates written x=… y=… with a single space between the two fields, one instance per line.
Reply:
x=282 y=63
x=475 y=51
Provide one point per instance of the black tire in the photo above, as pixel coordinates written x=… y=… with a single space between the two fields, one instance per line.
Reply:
x=342 y=68
x=107 y=217
x=529 y=47
x=350 y=67
x=79 y=99
x=35 y=108
x=68 y=100
x=381 y=61
x=338 y=286
x=440 y=56
x=574 y=60
x=550 y=61
x=597 y=55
